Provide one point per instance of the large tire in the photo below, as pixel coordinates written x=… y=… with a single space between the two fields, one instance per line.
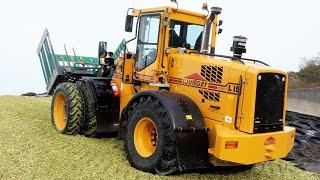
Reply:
x=162 y=159
x=67 y=109
x=89 y=128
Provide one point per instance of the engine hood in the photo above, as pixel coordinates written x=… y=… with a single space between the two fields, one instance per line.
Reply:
x=214 y=84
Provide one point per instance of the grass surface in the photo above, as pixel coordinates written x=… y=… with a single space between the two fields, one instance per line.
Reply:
x=31 y=149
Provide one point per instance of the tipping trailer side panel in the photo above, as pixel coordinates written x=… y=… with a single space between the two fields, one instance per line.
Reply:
x=60 y=68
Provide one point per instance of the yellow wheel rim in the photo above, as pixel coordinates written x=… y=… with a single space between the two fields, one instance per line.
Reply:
x=60 y=111
x=145 y=137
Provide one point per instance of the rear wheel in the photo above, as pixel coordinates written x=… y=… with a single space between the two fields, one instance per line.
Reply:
x=149 y=138
x=66 y=109
x=90 y=118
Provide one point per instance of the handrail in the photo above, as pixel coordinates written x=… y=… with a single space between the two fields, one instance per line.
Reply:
x=229 y=57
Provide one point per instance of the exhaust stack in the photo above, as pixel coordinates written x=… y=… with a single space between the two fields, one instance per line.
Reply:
x=207 y=28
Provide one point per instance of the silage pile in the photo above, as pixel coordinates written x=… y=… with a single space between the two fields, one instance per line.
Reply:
x=31 y=148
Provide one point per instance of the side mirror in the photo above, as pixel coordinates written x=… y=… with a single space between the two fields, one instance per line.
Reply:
x=102 y=51
x=129 y=23
x=220 y=31
x=220 y=22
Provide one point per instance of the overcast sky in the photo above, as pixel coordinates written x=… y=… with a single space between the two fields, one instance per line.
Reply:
x=279 y=32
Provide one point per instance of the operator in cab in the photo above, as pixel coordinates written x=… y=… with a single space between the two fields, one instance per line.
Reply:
x=185 y=35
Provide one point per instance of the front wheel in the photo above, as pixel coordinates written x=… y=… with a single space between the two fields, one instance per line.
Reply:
x=149 y=139
x=67 y=109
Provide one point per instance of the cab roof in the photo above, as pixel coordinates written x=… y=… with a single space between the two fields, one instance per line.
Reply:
x=137 y=12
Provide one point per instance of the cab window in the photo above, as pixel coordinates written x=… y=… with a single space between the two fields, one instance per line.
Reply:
x=183 y=34
x=147 y=40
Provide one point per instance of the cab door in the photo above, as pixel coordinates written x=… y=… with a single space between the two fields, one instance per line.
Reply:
x=147 y=54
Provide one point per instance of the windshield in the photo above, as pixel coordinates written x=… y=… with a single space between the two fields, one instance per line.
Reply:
x=183 y=34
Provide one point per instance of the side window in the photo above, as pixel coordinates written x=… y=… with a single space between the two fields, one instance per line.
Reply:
x=194 y=33
x=147 y=40
x=184 y=34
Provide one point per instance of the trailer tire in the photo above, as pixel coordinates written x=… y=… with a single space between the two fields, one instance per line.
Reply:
x=67 y=109
x=163 y=158
x=89 y=125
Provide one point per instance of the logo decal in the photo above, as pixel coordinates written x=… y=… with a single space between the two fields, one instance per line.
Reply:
x=195 y=80
x=198 y=81
x=270 y=140
x=195 y=76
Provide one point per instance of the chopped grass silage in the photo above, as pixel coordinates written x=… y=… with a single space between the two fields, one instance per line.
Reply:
x=30 y=148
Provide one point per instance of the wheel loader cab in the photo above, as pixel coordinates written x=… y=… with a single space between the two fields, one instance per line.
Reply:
x=160 y=32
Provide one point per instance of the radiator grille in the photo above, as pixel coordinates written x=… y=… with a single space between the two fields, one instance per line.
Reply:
x=269 y=102
x=212 y=73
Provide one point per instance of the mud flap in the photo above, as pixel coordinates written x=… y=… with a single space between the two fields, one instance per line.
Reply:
x=191 y=133
x=192 y=150
x=99 y=92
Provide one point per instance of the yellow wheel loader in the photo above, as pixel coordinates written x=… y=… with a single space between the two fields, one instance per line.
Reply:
x=176 y=103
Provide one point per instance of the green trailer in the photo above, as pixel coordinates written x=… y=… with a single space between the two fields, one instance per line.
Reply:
x=59 y=68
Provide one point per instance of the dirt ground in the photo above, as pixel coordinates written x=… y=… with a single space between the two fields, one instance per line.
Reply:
x=32 y=149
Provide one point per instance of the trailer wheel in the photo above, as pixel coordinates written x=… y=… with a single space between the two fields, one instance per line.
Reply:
x=149 y=138
x=66 y=109
x=90 y=119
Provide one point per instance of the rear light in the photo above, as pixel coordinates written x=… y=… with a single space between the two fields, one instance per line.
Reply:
x=115 y=90
x=231 y=145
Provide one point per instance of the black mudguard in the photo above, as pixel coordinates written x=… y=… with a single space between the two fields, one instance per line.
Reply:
x=106 y=105
x=191 y=135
